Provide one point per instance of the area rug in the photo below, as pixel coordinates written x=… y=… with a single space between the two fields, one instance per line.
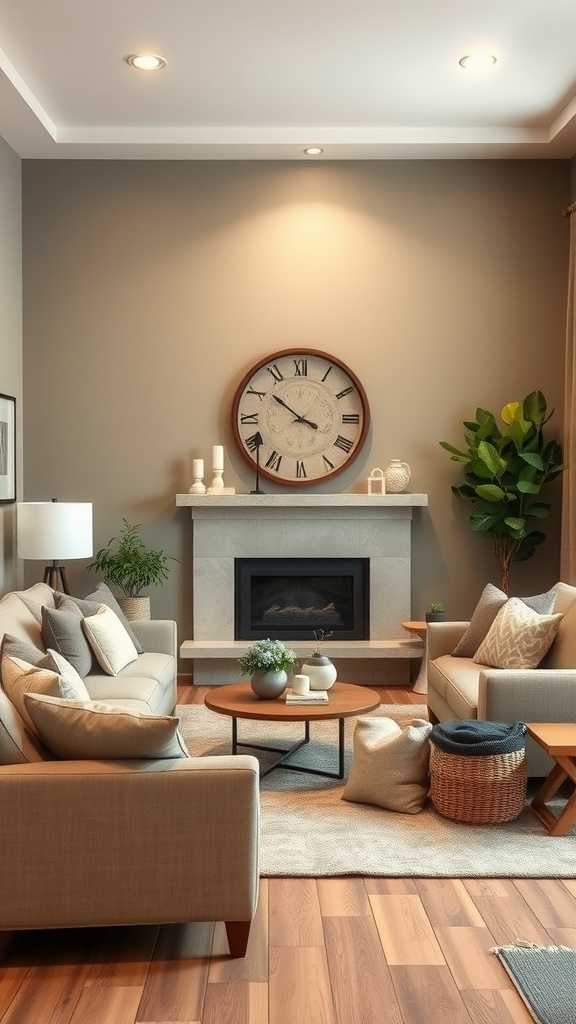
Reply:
x=308 y=830
x=545 y=977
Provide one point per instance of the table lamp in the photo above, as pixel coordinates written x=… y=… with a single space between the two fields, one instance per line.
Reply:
x=54 y=530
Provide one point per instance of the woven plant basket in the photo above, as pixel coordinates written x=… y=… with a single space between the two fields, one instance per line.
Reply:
x=478 y=790
x=135 y=607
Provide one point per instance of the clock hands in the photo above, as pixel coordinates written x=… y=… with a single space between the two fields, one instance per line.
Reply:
x=299 y=419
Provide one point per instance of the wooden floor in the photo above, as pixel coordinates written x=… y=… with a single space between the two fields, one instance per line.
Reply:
x=322 y=951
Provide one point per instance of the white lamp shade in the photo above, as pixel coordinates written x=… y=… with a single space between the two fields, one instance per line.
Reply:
x=52 y=530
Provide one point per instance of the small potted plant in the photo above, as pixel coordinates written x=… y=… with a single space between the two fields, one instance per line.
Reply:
x=128 y=564
x=435 y=612
x=267 y=662
x=321 y=671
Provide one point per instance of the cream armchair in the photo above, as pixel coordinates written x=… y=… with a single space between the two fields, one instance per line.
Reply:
x=460 y=688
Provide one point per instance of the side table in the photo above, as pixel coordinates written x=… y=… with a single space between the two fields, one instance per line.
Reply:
x=419 y=629
x=558 y=739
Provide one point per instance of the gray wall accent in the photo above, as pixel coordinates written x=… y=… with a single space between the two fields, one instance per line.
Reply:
x=11 y=341
x=151 y=287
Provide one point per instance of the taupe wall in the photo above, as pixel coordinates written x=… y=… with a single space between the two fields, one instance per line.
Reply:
x=11 y=340
x=150 y=287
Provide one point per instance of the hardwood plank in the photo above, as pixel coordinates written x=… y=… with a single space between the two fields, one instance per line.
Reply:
x=299 y=988
x=428 y=995
x=447 y=902
x=491 y=1006
x=243 y=1003
x=570 y=884
x=550 y=900
x=254 y=966
x=383 y=886
x=175 y=986
x=106 y=1004
x=295 y=918
x=562 y=937
x=359 y=975
x=405 y=932
x=467 y=953
x=510 y=917
x=488 y=886
x=20 y=950
x=342 y=897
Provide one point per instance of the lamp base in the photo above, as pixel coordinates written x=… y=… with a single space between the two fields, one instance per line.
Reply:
x=55 y=577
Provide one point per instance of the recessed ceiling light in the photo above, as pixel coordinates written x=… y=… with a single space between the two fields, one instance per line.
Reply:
x=146 y=61
x=478 y=61
x=313 y=151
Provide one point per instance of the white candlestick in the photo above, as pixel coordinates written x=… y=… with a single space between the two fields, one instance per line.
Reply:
x=198 y=468
x=218 y=458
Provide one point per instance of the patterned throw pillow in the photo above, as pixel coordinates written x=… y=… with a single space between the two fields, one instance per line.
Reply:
x=390 y=766
x=518 y=637
x=491 y=601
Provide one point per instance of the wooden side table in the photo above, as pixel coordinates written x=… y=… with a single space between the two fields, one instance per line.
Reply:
x=558 y=739
x=419 y=629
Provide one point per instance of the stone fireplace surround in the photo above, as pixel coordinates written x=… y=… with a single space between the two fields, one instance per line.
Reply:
x=302 y=525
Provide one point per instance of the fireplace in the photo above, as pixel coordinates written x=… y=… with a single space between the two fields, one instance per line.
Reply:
x=290 y=598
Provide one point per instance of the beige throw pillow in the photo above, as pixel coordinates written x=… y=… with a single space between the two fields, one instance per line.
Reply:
x=109 y=640
x=518 y=637
x=18 y=678
x=76 y=730
x=70 y=684
x=390 y=765
x=18 y=745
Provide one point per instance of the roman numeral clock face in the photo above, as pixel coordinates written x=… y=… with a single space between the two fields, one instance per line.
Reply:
x=305 y=411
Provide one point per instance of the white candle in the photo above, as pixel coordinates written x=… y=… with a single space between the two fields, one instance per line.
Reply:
x=197 y=468
x=301 y=685
x=218 y=457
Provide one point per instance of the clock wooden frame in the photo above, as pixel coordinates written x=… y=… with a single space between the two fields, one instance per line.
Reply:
x=346 y=449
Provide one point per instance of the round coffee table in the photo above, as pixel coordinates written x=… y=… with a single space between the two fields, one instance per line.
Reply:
x=239 y=701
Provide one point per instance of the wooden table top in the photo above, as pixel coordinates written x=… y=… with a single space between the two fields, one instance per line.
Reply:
x=554 y=737
x=239 y=701
x=414 y=626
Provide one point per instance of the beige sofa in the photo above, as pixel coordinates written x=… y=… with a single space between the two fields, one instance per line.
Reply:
x=94 y=843
x=460 y=688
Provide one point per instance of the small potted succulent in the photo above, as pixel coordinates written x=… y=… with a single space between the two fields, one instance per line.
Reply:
x=267 y=662
x=435 y=612
x=321 y=671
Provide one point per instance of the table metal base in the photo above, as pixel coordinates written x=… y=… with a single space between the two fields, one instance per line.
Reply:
x=288 y=752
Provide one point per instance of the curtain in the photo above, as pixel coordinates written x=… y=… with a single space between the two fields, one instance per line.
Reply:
x=568 y=537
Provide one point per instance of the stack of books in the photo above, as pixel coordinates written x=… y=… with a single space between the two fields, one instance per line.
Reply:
x=313 y=697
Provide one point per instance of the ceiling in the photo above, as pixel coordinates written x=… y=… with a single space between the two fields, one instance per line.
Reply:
x=262 y=79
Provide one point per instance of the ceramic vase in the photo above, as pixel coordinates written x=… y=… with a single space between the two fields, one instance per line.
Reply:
x=321 y=670
x=397 y=475
x=268 y=685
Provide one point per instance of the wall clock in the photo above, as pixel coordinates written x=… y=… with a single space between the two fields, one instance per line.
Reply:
x=306 y=411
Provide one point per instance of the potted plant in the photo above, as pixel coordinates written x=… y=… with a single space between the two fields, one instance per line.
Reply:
x=267 y=662
x=128 y=564
x=435 y=612
x=505 y=470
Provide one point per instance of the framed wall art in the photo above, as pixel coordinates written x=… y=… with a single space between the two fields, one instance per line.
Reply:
x=7 y=449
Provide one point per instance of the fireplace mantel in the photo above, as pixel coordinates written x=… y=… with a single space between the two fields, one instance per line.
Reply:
x=300 y=525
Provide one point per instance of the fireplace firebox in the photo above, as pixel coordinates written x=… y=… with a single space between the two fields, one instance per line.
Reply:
x=290 y=598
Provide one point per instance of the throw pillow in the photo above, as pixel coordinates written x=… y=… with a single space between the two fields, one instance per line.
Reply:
x=103 y=595
x=17 y=744
x=109 y=640
x=491 y=601
x=518 y=637
x=70 y=684
x=390 y=764
x=18 y=678
x=76 y=730
x=14 y=647
x=62 y=632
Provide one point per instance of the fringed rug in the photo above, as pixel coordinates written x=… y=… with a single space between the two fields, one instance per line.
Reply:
x=308 y=830
x=545 y=977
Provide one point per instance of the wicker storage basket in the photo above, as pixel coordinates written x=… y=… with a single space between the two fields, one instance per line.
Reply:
x=480 y=790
